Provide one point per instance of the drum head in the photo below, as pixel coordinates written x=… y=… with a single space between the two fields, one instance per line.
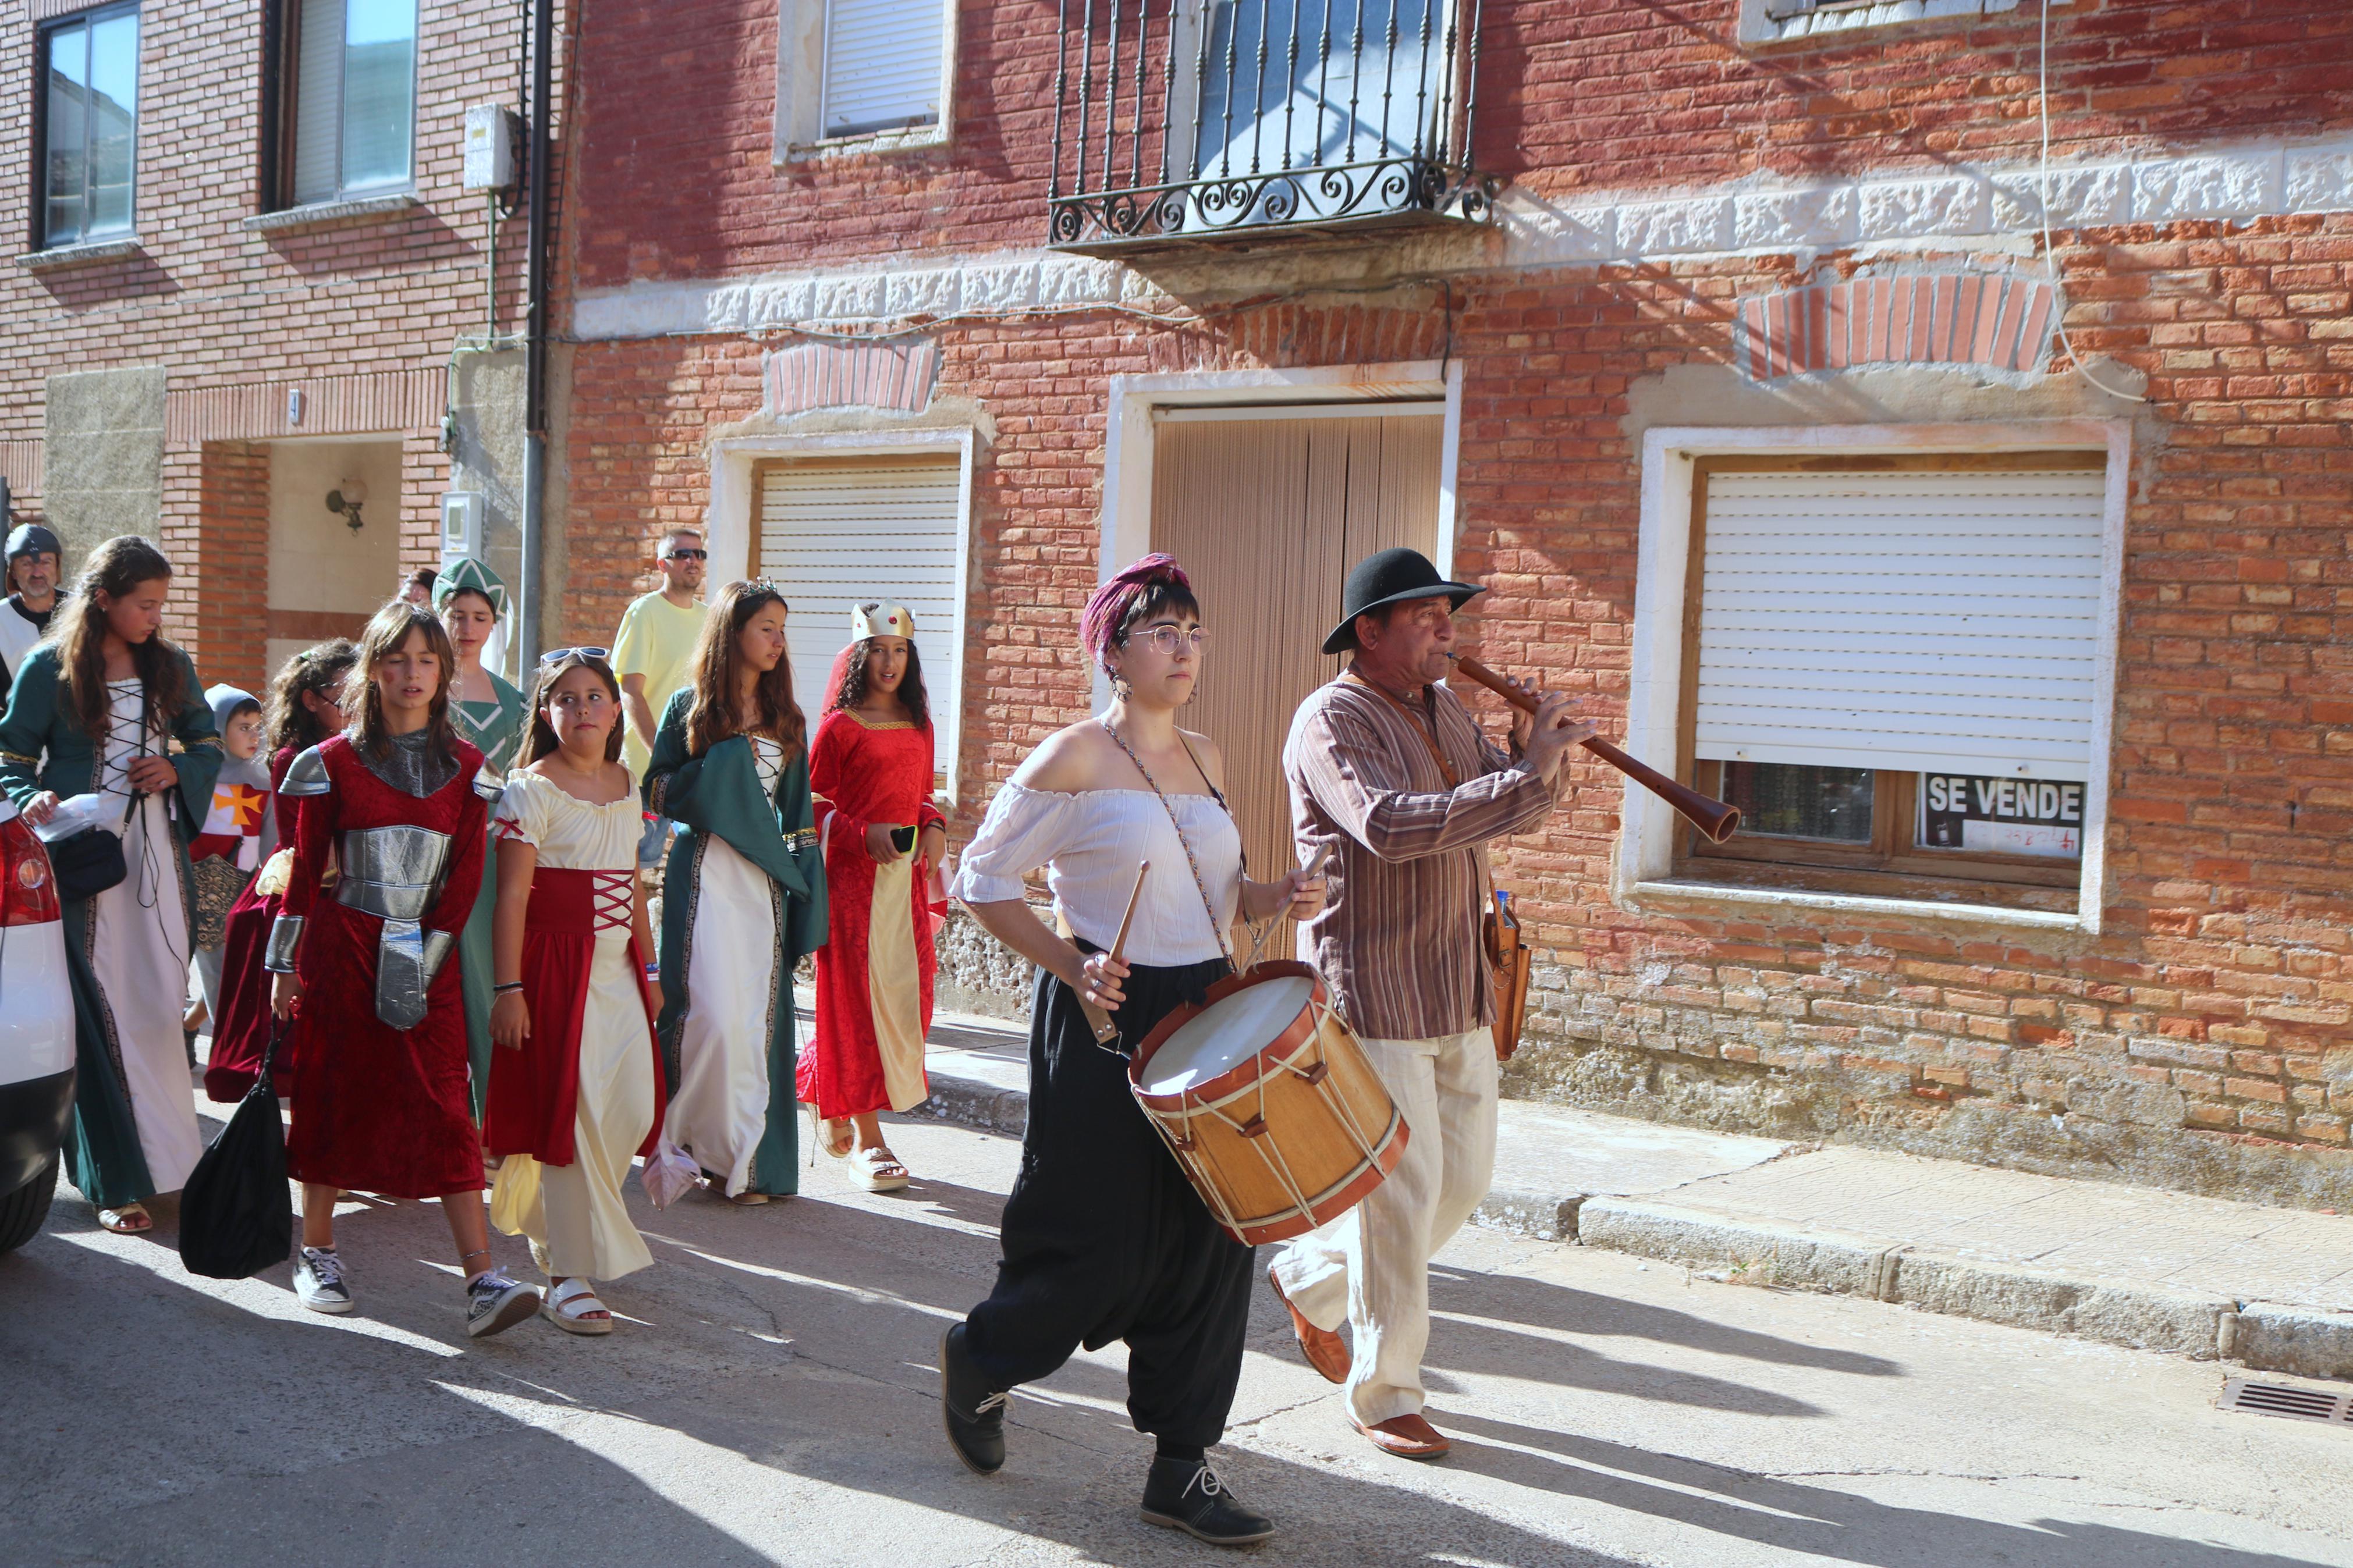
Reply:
x=1226 y=1033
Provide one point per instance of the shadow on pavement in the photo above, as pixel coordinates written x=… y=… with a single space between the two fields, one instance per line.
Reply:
x=1820 y=1522
x=1540 y=1303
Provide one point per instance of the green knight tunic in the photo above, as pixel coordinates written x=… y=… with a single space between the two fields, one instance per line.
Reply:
x=104 y=1154
x=497 y=730
x=742 y=901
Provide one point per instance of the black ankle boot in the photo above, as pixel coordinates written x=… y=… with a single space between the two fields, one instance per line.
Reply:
x=973 y=1413
x=1188 y=1495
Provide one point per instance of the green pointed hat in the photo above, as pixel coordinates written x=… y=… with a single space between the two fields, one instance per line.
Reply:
x=468 y=575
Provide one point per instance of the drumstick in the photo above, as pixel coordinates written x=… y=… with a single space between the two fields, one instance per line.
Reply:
x=1097 y=1019
x=1312 y=869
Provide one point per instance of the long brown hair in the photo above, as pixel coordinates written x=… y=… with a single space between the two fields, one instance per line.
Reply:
x=851 y=692
x=318 y=670
x=543 y=688
x=115 y=568
x=712 y=716
x=387 y=635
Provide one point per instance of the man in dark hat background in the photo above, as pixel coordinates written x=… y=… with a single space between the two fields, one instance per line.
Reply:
x=1389 y=769
x=35 y=557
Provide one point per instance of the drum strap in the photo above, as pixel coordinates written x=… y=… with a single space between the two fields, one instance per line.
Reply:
x=1217 y=927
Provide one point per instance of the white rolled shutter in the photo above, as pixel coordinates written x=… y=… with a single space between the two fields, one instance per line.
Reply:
x=882 y=64
x=836 y=534
x=1933 y=620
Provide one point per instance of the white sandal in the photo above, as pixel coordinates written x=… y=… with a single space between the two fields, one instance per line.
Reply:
x=878 y=1170
x=567 y=1305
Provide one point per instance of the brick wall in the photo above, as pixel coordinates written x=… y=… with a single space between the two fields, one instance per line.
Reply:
x=218 y=305
x=1574 y=95
x=2203 y=1037
x=2202 y=1040
x=225 y=613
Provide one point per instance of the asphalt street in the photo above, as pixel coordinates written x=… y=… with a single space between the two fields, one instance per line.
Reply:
x=768 y=1396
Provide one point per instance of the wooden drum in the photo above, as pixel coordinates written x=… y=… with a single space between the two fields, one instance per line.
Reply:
x=1268 y=1102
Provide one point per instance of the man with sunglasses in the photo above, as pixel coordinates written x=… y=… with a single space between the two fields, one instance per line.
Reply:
x=654 y=657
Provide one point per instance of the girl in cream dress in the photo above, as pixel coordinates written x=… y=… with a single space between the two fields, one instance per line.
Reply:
x=575 y=1085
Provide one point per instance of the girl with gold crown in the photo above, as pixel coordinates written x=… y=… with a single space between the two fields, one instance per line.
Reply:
x=871 y=767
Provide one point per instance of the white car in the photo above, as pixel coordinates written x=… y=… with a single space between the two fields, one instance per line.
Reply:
x=37 y=1032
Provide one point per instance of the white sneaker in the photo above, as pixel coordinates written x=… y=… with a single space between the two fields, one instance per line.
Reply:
x=319 y=1281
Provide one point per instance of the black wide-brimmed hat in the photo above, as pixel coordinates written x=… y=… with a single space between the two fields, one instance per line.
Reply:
x=1389 y=577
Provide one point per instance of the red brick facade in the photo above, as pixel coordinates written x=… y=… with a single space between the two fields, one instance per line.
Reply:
x=236 y=317
x=2203 y=1039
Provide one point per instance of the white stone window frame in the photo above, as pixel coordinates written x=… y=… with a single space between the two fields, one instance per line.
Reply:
x=734 y=492
x=1797 y=21
x=799 y=131
x=1648 y=827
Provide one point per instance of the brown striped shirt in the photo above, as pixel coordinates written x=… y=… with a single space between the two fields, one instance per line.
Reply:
x=1399 y=940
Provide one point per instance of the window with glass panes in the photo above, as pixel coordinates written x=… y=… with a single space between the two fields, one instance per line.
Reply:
x=349 y=99
x=89 y=126
x=1890 y=666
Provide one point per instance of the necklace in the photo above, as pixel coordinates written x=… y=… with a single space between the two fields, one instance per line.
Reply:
x=1216 y=928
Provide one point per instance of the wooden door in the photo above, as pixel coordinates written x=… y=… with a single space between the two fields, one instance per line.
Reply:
x=1267 y=515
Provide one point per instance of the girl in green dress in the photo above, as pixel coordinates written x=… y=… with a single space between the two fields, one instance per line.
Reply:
x=492 y=714
x=94 y=712
x=742 y=901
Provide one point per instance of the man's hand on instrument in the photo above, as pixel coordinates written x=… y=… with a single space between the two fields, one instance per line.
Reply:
x=1552 y=731
x=1521 y=721
x=1099 y=981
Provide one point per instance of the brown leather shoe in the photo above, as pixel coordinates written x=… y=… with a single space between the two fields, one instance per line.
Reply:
x=1325 y=1350
x=1408 y=1437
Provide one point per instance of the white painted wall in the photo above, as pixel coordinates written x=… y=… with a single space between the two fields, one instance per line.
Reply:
x=316 y=562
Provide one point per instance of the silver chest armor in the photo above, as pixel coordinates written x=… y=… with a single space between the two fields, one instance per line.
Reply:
x=393 y=873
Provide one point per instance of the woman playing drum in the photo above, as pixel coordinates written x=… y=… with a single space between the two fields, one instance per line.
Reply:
x=1103 y=1238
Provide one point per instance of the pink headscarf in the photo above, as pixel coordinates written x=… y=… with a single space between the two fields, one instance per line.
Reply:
x=1112 y=601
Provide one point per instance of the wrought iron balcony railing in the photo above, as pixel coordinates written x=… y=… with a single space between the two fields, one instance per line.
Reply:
x=1180 y=120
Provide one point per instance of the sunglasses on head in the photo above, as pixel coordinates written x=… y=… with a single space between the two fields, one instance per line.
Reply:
x=690 y=555
x=558 y=654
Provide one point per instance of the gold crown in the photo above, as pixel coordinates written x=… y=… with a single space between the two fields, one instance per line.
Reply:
x=881 y=620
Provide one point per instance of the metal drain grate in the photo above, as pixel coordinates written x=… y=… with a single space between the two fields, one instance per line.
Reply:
x=2287 y=1399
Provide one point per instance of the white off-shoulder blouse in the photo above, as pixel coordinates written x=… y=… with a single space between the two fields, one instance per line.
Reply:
x=1091 y=843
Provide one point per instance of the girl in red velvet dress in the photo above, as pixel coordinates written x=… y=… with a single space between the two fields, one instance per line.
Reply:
x=871 y=767
x=304 y=707
x=380 y=1098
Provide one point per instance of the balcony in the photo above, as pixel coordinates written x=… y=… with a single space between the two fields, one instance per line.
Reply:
x=1179 y=123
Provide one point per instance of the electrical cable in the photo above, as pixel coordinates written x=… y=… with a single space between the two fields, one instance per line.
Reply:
x=2042 y=197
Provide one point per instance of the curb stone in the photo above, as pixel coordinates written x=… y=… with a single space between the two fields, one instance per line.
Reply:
x=2137 y=1314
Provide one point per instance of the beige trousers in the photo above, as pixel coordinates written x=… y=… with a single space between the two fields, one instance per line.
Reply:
x=1370 y=1267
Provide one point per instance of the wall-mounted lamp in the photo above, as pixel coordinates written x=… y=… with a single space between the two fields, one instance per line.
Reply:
x=346 y=501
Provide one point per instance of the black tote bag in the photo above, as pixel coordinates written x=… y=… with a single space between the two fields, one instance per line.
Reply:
x=236 y=1215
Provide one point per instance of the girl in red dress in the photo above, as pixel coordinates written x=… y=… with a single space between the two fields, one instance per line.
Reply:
x=871 y=767
x=304 y=707
x=380 y=1102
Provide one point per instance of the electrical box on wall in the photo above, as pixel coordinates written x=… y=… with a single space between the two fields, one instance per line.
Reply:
x=489 y=147
x=461 y=525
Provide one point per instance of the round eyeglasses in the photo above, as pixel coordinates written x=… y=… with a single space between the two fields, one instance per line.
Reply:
x=1167 y=639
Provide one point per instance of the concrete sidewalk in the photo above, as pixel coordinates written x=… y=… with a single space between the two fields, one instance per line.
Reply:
x=2131 y=1266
